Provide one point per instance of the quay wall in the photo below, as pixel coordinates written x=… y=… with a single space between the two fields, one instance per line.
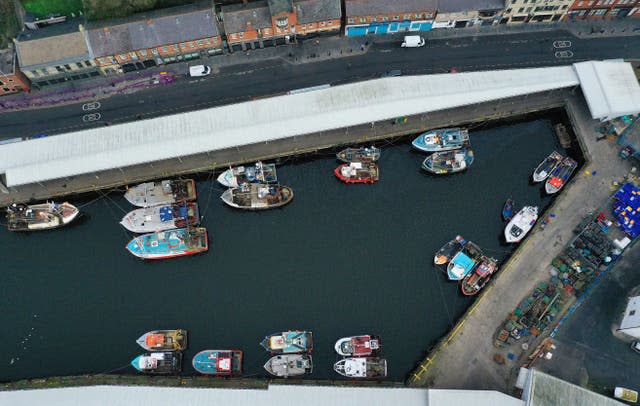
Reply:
x=477 y=114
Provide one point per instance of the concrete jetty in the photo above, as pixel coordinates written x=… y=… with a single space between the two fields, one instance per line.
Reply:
x=464 y=358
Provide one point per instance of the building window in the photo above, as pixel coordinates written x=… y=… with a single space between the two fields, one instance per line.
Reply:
x=122 y=56
x=35 y=73
x=632 y=312
x=175 y=48
x=564 y=7
x=87 y=64
x=201 y=42
x=322 y=24
x=165 y=49
x=521 y=10
x=396 y=18
x=417 y=15
x=407 y=16
x=363 y=20
x=508 y=11
x=143 y=52
x=6 y=89
x=59 y=69
x=351 y=20
x=385 y=18
x=241 y=35
x=191 y=45
x=79 y=65
x=67 y=67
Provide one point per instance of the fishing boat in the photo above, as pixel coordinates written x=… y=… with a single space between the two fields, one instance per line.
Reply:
x=164 y=340
x=444 y=254
x=218 y=362
x=358 y=172
x=364 y=154
x=442 y=163
x=507 y=210
x=159 y=363
x=163 y=192
x=257 y=196
x=358 y=346
x=560 y=175
x=521 y=224
x=547 y=166
x=160 y=218
x=474 y=281
x=177 y=242
x=464 y=261
x=288 y=342
x=444 y=139
x=256 y=173
x=287 y=365
x=364 y=368
x=42 y=216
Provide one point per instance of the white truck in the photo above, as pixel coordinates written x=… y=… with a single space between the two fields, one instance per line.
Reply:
x=413 y=41
x=199 y=70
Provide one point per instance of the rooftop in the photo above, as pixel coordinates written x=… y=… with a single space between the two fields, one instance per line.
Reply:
x=149 y=30
x=280 y=6
x=310 y=11
x=455 y=6
x=7 y=57
x=236 y=16
x=371 y=7
x=55 y=43
x=545 y=390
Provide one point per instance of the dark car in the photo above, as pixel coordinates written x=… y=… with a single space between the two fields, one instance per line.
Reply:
x=391 y=73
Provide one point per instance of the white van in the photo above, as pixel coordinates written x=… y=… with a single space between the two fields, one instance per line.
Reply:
x=199 y=70
x=413 y=41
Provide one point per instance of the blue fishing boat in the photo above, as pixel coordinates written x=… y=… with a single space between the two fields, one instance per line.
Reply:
x=464 y=261
x=507 y=210
x=169 y=244
x=288 y=342
x=444 y=139
x=218 y=362
x=159 y=363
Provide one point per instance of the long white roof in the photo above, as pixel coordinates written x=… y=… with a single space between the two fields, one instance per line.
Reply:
x=280 y=117
x=281 y=395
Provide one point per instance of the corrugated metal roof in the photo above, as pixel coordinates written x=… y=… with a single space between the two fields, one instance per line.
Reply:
x=266 y=119
x=610 y=87
x=281 y=395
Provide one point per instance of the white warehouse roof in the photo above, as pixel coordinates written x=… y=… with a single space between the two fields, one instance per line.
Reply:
x=280 y=117
x=281 y=395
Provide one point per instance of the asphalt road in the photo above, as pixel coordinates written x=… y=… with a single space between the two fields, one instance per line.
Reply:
x=275 y=76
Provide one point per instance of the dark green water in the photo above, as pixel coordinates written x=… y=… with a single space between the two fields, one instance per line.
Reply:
x=340 y=260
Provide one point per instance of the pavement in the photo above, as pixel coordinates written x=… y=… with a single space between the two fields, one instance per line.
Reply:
x=464 y=359
x=303 y=52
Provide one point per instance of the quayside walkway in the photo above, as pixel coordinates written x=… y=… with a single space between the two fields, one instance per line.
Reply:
x=464 y=359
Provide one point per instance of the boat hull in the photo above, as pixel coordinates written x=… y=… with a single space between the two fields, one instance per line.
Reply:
x=446 y=139
x=164 y=340
x=371 y=154
x=464 y=261
x=286 y=365
x=448 y=162
x=546 y=167
x=250 y=197
x=288 y=342
x=521 y=224
x=367 y=173
x=507 y=210
x=158 y=363
x=218 y=362
x=256 y=173
x=560 y=175
x=362 y=368
x=40 y=217
x=358 y=346
x=479 y=277
x=451 y=248
x=164 y=192
x=153 y=219
x=169 y=244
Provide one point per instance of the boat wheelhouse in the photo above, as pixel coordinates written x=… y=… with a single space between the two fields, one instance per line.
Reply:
x=256 y=173
x=521 y=224
x=161 y=218
x=464 y=261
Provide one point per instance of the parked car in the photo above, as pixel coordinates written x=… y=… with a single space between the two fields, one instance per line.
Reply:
x=625 y=394
x=199 y=70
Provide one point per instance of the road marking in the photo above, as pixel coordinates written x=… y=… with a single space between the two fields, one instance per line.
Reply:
x=563 y=54
x=91 y=106
x=91 y=117
x=562 y=44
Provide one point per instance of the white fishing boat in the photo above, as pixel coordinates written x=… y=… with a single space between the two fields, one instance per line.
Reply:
x=521 y=224
x=161 y=218
x=363 y=368
x=256 y=173
x=163 y=192
x=287 y=365
x=547 y=166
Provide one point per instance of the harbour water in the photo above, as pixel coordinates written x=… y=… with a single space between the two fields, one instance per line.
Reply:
x=339 y=260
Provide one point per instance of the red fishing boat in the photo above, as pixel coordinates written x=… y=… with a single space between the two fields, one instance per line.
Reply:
x=358 y=172
x=358 y=346
x=476 y=279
